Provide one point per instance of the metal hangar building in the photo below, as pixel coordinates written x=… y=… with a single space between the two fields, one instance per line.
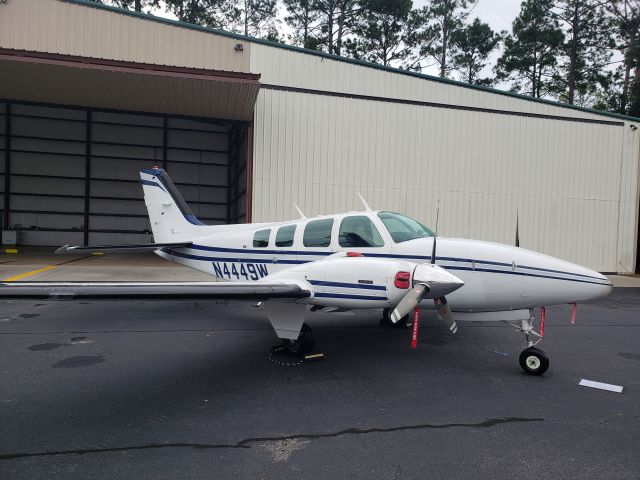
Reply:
x=91 y=94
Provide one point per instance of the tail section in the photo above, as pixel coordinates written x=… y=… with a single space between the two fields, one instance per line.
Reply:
x=171 y=218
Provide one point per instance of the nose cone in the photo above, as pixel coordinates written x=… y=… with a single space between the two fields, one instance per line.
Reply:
x=440 y=281
x=561 y=281
x=535 y=278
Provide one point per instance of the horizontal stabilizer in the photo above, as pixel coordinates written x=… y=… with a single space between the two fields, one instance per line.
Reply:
x=152 y=290
x=108 y=249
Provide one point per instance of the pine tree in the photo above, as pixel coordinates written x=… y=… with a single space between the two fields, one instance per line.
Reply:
x=530 y=58
x=383 y=35
x=302 y=18
x=626 y=17
x=136 y=5
x=208 y=13
x=471 y=47
x=337 y=20
x=449 y=17
x=255 y=18
x=587 y=49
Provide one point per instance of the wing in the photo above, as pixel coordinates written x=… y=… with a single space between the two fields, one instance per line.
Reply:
x=133 y=248
x=155 y=290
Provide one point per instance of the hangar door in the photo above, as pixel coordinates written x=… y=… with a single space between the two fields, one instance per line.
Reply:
x=70 y=175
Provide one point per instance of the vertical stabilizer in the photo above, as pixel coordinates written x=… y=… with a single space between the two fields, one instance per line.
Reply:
x=171 y=218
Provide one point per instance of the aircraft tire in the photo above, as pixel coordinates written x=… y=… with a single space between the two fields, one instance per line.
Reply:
x=386 y=320
x=534 y=361
x=303 y=345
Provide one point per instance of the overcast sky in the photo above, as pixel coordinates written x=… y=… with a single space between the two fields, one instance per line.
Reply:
x=497 y=13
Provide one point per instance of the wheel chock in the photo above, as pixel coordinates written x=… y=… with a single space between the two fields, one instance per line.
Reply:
x=314 y=356
x=278 y=354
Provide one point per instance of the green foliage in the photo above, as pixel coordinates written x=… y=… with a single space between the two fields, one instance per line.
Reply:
x=383 y=35
x=303 y=19
x=337 y=19
x=625 y=16
x=530 y=58
x=255 y=18
x=586 y=51
x=448 y=16
x=208 y=13
x=136 y=5
x=471 y=47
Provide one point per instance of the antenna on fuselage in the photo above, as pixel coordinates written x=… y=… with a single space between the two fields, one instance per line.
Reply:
x=364 y=202
x=517 y=230
x=433 y=250
x=300 y=212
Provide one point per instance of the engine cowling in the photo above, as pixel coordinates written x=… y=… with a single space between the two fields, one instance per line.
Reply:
x=358 y=282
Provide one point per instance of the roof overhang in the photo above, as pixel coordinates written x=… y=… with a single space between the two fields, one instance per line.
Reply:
x=93 y=82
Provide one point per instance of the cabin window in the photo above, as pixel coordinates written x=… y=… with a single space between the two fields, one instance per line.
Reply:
x=261 y=238
x=317 y=233
x=402 y=228
x=359 y=231
x=284 y=237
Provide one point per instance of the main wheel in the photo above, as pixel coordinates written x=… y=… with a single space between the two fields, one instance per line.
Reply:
x=386 y=320
x=534 y=361
x=303 y=344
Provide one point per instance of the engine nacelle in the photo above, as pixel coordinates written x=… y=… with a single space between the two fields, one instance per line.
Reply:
x=352 y=282
x=358 y=282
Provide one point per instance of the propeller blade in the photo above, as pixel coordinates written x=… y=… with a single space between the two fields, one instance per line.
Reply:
x=409 y=302
x=445 y=312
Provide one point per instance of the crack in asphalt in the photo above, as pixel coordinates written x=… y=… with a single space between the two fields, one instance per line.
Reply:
x=246 y=443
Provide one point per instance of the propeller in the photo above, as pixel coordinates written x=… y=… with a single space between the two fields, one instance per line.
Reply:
x=409 y=302
x=445 y=312
x=430 y=281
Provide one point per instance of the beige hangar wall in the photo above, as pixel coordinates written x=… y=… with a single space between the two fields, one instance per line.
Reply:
x=571 y=175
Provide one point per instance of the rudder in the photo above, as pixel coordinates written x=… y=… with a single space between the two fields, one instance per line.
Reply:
x=171 y=218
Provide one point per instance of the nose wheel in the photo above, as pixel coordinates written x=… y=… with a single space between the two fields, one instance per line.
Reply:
x=534 y=361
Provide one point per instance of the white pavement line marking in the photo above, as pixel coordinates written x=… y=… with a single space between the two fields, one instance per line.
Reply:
x=601 y=386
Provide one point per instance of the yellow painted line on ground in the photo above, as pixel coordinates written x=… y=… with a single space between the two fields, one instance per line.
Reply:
x=28 y=274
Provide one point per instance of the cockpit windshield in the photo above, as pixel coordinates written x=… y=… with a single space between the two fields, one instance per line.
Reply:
x=402 y=228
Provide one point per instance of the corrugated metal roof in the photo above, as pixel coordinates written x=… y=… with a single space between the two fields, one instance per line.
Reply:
x=177 y=23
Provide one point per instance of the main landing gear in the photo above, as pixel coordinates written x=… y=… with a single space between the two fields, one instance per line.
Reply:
x=385 y=321
x=296 y=352
x=532 y=360
x=301 y=346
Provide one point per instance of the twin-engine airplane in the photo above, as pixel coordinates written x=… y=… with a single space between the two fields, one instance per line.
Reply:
x=356 y=260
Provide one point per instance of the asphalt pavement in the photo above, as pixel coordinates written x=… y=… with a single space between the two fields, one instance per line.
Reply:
x=167 y=390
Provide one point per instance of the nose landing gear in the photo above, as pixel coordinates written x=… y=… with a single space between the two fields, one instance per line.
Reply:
x=532 y=360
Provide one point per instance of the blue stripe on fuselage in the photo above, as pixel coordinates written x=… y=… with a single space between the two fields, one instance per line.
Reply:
x=363 y=286
x=348 y=296
x=385 y=255
x=381 y=255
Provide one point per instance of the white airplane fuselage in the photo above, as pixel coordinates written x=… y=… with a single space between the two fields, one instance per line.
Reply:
x=496 y=277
